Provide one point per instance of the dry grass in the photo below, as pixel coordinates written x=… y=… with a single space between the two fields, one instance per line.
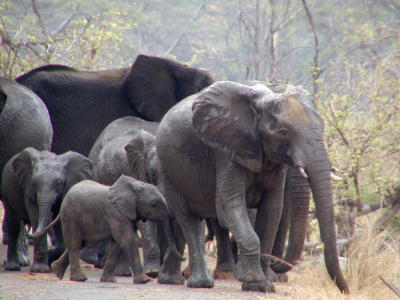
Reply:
x=370 y=255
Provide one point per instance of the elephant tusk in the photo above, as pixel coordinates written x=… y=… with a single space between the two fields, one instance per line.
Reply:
x=335 y=177
x=335 y=170
x=302 y=172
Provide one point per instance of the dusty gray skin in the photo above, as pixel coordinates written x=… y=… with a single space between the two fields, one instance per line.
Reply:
x=228 y=148
x=92 y=212
x=33 y=185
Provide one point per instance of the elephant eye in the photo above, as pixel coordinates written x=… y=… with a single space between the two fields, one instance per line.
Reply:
x=283 y=131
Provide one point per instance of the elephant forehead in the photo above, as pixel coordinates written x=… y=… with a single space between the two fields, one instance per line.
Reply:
x=296 y=111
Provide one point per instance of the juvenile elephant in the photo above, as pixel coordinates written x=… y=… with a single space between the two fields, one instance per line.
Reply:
x=127 y=146
x=33 y=186
x=226 y=149
x=21 y=128
x=82 y=103
x=92 y=212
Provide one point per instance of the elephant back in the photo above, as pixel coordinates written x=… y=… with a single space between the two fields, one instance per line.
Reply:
x=120 y=127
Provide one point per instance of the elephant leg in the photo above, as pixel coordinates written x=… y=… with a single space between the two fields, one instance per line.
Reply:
x=267 y=221
x=122 y=268
x=151 y=249
x=22 y=246
x=59 y=248
x=76 y=270
x=60 y=265
x=40 y=256
x=225 y=259
x=89 y=254
x=101 y=249
x=13 y=229
x=171 y=266
x=126 y=237
x=113 y=254
x=248 y=268
x=73 y=242
x=193 y=231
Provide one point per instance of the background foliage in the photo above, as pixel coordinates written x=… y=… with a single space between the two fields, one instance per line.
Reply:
x=346 y=52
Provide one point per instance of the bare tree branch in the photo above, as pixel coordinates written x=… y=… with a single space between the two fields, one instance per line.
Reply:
x=180 y=37
x=316 y=72
x=390 y=286
x=39 y=17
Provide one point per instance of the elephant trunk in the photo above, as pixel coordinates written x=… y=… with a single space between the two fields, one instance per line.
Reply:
x=297 y=198
x=318 y=169
x=45 y=202
x=167 y=227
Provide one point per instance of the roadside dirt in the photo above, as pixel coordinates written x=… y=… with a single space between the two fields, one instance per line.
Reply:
x=26 y=285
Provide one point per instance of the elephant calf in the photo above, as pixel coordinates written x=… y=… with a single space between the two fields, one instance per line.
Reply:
x=92 y=212
x=33 y=185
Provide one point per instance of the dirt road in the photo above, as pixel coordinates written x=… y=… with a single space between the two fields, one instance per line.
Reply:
x=26 y=285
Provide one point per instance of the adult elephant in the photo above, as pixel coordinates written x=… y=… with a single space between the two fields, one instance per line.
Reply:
x=82 y=103
x=24 y=122
x=226 y=149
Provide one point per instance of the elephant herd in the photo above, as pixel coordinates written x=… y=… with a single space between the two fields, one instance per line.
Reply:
x=96 y=156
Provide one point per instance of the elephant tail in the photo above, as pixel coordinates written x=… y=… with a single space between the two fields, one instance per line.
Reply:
x=38 y=235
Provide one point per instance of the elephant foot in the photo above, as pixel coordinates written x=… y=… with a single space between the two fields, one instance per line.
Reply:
x=79 y=276
x=58 y=269
x=89 y=255
x=263 y=286
x=107 y=278
x=23 y=260
x=141 y=279
x=248 y=269
x=151 y=270
x=38 y=267
x=219 y=274
x=164 y=278
x=122 y=270
x=200 y=280
x=12 y=265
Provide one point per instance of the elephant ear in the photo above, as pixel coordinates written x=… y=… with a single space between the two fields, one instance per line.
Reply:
x=225 y=117
x=301 y=94
x=123 y=195
x=136 y=151
x=78 y=168
x=23 y=165
x=151 y=87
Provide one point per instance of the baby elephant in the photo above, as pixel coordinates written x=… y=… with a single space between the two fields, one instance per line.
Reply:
x=92 y=212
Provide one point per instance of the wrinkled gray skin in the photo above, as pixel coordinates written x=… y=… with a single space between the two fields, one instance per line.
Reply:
x=24 y=122
x=92 y=212
x=227 y=149
x=127 y=146
x=33 y=185
x=294 y=219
